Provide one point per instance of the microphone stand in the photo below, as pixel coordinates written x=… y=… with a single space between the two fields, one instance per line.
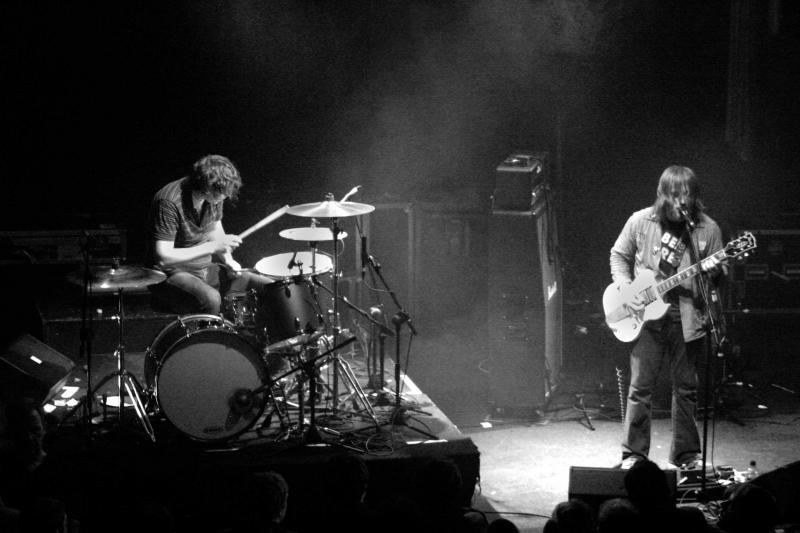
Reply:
x=86 y=335
x=714 y=332
x=399 y=412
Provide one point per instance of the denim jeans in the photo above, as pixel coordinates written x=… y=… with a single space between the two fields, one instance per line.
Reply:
x=662 y=343
x=184 y=292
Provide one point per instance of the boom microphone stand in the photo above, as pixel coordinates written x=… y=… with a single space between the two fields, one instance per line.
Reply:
x=399 y=412
x=86 y=335
x=714 y=332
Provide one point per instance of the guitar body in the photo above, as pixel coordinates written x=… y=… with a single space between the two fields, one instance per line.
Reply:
x=625 y=325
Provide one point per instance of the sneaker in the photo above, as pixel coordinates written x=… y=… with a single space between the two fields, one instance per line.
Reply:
x=629 y=461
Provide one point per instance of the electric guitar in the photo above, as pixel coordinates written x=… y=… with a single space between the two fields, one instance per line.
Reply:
x=625 y=322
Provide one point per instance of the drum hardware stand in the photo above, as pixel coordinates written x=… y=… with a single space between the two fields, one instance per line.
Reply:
x=310 y=433
x=124 y=377
x=335 y=325
x=340 y=365
x=345 y=367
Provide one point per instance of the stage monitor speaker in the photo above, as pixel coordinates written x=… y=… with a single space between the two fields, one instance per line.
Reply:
x=595 y=485
x=29 y=367
x=784 y=484
x=524 y=292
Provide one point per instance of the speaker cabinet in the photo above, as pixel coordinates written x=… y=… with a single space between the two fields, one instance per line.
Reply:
x=596 y=485
x=432 y=255
x=524 y=298
x=769 y=280
x=29 y=367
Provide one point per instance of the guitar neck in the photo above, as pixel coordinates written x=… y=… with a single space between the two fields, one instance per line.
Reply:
x=673 y=281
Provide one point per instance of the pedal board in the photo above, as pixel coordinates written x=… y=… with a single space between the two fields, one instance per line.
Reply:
x=690 y=484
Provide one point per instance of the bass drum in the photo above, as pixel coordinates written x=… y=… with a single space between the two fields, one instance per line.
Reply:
x=205 y=379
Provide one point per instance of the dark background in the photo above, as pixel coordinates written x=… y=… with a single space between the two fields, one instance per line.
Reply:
x=417 y=101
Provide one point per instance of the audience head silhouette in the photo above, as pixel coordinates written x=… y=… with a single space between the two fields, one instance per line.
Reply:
x=618 y=515
x=749 y=508
x=571 y=516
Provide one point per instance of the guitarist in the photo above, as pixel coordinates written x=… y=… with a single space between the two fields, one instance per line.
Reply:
x=657 y=238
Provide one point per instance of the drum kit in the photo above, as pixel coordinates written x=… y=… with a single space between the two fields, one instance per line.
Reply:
x=212 y=377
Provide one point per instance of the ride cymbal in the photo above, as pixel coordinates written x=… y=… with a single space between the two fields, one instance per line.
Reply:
x=330 y=209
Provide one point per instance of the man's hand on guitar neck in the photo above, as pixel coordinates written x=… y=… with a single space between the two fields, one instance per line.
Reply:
x=711 y=266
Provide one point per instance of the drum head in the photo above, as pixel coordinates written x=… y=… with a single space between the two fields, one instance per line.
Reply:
x=278 y=265
x=204 y=385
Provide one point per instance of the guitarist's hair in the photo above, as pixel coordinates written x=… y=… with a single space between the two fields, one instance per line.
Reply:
x=681 y=178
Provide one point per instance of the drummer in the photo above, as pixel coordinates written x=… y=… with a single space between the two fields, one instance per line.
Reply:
x=189 y=244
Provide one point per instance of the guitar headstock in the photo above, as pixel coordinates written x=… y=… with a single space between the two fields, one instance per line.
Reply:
x=740 y=246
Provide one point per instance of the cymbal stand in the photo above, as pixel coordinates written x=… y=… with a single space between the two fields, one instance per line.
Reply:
x=126 y=381
x=335 y=325
x=340 y=365
x=400 y=412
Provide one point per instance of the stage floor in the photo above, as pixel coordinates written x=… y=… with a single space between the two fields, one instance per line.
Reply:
x=521 y=466
x=203 y=442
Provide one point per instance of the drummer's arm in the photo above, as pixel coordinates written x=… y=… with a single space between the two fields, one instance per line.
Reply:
x=232 y=241
x=167 y=255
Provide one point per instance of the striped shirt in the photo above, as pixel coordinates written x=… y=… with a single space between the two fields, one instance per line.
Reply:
x=174 y=218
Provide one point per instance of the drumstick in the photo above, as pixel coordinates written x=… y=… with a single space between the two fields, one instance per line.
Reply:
x=266 y=220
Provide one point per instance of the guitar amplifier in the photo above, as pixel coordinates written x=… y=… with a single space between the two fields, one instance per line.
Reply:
x=66 y=246
x=769 y=281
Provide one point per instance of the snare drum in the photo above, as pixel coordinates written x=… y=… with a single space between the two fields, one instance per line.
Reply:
x=205 y=378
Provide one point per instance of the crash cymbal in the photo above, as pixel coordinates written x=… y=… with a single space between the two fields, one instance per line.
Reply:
x=310 y=234
x=109 y=278
x=330 y=209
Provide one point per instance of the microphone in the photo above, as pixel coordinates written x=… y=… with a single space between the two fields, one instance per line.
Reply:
x=364 y=256
x=685 y=214
x=292 y=262
x=351 y=193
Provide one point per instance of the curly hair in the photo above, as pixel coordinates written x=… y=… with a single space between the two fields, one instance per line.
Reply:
x=217 y=174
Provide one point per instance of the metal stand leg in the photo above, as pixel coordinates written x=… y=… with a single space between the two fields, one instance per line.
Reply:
x=126 y=382
x=350 y=378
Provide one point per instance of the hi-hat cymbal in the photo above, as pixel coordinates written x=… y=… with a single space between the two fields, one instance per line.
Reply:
x=108 y=278
x=330 y=209
x=291 y=342
x=311 y=234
